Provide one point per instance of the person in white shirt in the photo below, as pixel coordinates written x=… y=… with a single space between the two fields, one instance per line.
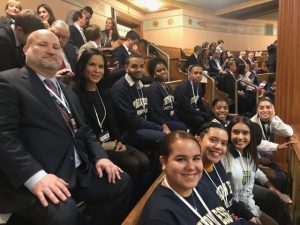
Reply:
x=270 y=124
x=241 y=166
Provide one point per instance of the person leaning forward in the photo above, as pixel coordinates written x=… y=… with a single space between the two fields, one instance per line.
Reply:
x=49 y=158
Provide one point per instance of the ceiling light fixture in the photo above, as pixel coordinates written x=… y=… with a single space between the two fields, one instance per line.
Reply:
x=152 y=5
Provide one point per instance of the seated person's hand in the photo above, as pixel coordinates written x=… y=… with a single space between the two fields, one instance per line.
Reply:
x=50 y=187
x=234 y=217
x=120 y=147
x=109 y=146
x=285 y=145
x=255 y=220
x=166 y=129
x=112 y=170
x=64 y=73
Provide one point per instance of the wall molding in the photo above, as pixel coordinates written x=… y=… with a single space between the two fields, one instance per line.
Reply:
x=208 y=24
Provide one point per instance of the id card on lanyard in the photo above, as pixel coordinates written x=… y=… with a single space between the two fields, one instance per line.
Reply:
x=104 y=137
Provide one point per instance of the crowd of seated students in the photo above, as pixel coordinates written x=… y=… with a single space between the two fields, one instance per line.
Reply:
x=214 y=59
x=127 y=119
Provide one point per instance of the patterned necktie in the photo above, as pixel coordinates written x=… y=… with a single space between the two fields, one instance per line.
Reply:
x=63 y=112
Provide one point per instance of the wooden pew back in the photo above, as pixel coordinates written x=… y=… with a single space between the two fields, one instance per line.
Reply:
x=134 y=216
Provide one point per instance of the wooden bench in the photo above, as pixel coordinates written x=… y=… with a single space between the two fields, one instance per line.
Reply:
x=264 y=76
x=188 y=51
x=134 y=216
x=173 y=84
x=173 y=52
x=212 y=92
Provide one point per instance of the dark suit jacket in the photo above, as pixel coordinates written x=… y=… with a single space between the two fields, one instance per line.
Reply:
x=120 y=54
x=75 y=37
x=272 y=49
x=227 y=84
x=249 y=62
x=70 y=52
x=4 y=21
x=240 y=61
x=34 y=136
x=213 y=67
x=192 y=60
x=9 y=57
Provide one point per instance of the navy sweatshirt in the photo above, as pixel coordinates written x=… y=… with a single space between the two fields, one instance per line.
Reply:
x=165 y=208
x=161 y=103
x=237 y=208
x=131 y=105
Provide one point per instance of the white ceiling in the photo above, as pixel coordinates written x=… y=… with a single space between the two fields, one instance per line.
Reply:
x=212 y=5
x=231 y=9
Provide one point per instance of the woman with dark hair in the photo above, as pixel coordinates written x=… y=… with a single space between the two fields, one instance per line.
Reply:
x=45 y=12
x=211 y=48
x=241 y=165
x=223 y=60
x=213 y=140
x=110 y=36
x=161 y=97
x=203 y=59
x=96 y=102
x=176 y=200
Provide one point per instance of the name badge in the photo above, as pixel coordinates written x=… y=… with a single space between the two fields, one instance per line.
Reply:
x=104 y=137
x=194 y=99
x=172 y=113
x=74 y=126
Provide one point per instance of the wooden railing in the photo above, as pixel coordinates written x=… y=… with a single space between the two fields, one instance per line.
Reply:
x=134 y=216
x=294 y=170
x=264 y=76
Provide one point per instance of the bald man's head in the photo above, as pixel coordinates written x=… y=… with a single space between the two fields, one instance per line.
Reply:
x=43 y=53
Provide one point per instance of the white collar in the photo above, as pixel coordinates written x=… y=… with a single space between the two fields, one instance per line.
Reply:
x=127 y=49
x=78 y=27
x=53 y=79
x=131 y=82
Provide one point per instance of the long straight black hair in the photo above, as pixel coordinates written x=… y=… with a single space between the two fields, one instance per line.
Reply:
x=251 y=148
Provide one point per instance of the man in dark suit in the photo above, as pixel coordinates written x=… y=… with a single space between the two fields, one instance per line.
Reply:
x=77 y=37
x=250 y=58
x=241 y=59
x=47 y=152
x=121 y=53
x=272 y=49
x=69 y=58
x=215 y=67
x=194 y=58
x=13 y=40
x=227 y=85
